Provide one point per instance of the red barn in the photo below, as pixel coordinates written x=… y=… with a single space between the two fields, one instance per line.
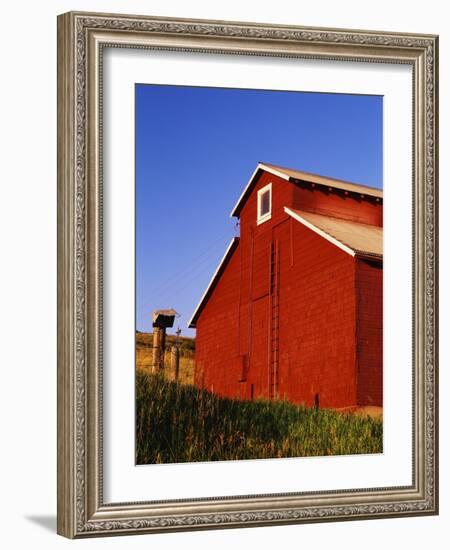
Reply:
x=294 y=310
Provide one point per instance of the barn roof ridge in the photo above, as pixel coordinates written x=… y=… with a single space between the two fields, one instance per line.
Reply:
x=291 y=174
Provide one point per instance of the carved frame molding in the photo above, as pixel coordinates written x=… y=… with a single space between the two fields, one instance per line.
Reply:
x=81 y=39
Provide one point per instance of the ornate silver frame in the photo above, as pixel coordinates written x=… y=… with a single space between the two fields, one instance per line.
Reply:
x=81 y=510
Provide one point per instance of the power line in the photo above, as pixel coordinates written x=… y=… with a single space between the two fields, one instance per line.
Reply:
x=194 y=265
x=174 y=292
x=181 y=274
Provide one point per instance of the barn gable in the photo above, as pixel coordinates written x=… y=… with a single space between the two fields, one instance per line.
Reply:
x=214 y=280
x=355 y=238
x=299 y=177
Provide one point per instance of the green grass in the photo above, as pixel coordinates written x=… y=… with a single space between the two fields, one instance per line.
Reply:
x=178 y=423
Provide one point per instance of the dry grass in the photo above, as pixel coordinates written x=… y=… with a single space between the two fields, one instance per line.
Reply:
x=369 y=410
x=144 y=353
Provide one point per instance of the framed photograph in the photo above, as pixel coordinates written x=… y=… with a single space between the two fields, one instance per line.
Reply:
x=247 y=274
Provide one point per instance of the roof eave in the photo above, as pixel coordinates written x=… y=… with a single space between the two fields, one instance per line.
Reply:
x=346 y=248
x=225 y=258
x=313 y=179
x=260 y=167
x=361 y=254
x=320 y=232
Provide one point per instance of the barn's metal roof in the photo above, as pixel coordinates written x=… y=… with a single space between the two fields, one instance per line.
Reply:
x=214 y=279
x=327 y=181
x=357 y=239
x=290 y=174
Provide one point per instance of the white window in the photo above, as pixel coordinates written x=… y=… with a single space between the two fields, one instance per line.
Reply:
x=264 y=204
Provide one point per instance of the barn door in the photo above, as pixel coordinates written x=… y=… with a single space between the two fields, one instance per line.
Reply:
x=258 y=317
x=260 y=266
x=259 y=343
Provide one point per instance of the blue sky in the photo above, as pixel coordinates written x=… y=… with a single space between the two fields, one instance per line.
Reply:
x=196 y=148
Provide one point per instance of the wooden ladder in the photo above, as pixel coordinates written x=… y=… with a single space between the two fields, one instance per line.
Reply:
x=274 y=317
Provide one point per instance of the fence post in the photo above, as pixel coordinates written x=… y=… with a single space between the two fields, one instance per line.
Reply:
x=159 y=341
x=175 y=363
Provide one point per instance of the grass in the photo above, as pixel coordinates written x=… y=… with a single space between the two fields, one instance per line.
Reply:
x=144 y=354
x=181 y=423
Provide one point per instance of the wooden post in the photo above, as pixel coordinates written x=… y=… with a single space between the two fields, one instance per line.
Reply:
x=159 y=344
x=161 y=319
x=156 y=350
x=163 y=349
x=175 y=363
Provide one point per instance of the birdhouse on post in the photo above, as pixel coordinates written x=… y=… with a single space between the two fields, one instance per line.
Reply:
x=162 y=319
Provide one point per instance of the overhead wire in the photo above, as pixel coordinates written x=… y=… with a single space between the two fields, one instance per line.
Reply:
x=196 y=267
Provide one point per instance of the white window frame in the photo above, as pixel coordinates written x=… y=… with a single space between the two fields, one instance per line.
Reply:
x=261 y=218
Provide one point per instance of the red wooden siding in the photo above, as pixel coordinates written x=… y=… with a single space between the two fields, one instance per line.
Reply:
x=369 y=292
x=260 y=265
x=218 y=331
x=335 y=203
x=327 y=321
x=317 y=328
